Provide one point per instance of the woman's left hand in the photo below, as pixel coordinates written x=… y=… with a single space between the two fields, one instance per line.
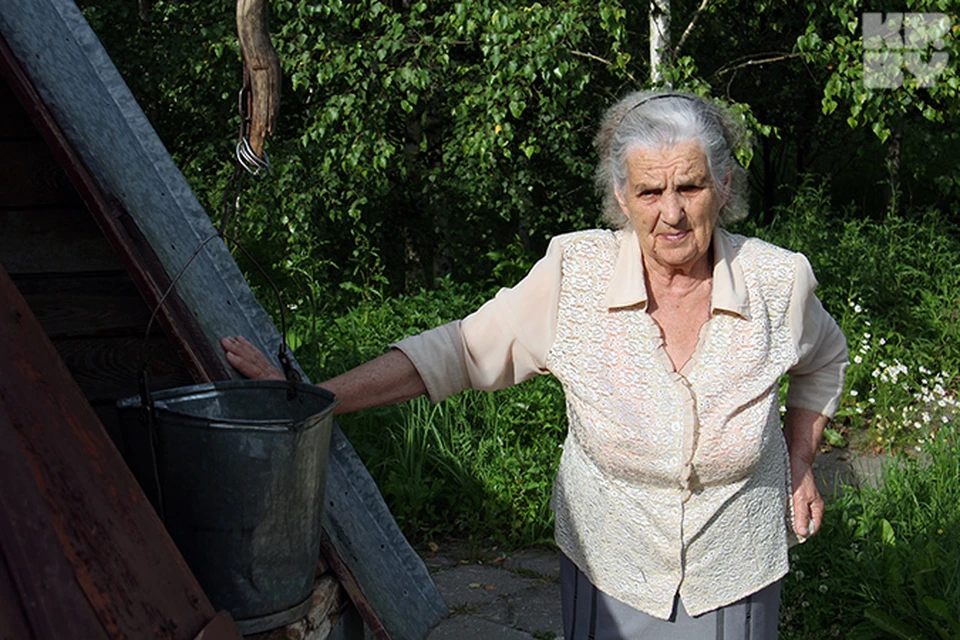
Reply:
x=807 y=503
x=803 y=430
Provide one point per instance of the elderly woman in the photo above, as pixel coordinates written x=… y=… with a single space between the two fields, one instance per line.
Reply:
x=678 y=493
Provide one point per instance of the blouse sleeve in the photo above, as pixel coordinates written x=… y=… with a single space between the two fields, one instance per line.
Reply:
x=503 y=343
x=816 y=381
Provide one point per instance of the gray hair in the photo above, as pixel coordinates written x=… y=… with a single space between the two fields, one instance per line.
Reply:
x=653 y=119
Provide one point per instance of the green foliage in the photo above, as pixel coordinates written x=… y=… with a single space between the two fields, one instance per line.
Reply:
x=911 y=121
x=833 y=41
x=423 y=139
x=886 y=563
x=430 y=137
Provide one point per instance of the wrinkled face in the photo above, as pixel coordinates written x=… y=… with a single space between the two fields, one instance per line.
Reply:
x=673 y=204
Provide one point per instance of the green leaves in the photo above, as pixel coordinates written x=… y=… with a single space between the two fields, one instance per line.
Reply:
x=886 y=532
x=833 y=42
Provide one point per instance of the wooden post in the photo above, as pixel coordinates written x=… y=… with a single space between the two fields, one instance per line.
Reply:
x=262 y=67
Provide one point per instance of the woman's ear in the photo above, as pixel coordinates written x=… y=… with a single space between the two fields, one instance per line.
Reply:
x=727 y=184
x=622 y=202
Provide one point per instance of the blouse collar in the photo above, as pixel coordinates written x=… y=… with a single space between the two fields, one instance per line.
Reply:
x=729 y=290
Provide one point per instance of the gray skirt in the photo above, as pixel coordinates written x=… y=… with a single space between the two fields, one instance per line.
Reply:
x=590 y=614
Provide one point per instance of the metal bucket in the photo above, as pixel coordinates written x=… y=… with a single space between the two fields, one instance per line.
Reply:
x=237 y=472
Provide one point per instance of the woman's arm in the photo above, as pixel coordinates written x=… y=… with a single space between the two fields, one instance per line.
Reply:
x=501 y=344
x=803 y=429
x=816 y=383
x=389 y=379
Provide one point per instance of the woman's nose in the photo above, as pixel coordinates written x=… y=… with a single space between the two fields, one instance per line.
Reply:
x=671 y=207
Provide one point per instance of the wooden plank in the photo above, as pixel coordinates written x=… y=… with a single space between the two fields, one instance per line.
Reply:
x=53 y=602
x=31 y=176
x=106 y=368
x=53 y=241
x=75 y=489
x=339 y=567
x=90 y=305
x=389 y=573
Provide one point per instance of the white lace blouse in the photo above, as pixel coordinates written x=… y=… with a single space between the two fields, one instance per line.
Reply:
x=670 y=481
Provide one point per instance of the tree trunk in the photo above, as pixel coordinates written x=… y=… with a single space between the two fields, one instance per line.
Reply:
x=893 y=168
x=659 y=37
x=262 y=65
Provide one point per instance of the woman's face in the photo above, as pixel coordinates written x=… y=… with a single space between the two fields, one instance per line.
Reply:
x=673 y=204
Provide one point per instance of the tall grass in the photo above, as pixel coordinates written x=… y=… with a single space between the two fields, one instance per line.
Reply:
x=477 y=464
x=886 y=563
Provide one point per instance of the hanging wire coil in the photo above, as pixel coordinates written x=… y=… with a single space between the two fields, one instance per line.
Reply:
x=250 y=161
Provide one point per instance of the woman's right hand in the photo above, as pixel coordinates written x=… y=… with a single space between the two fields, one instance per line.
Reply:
x=248 y=360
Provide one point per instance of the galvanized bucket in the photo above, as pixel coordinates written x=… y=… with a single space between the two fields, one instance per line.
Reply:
x=237 y=472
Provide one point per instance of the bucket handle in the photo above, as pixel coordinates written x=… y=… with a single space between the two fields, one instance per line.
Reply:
x=283 y=355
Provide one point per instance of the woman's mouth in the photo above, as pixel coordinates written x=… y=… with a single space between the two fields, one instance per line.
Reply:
x=674 y=237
